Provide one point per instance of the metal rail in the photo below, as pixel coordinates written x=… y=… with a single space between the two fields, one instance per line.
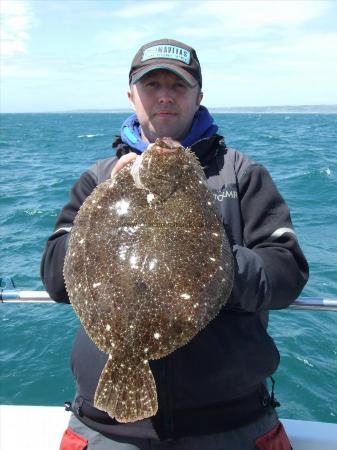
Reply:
x=10 y=294
x=315 y=303
x=15 y=296
x=302 y=303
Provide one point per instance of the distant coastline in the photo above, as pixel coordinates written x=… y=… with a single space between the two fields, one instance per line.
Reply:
x=283 y=109
x=286 y=109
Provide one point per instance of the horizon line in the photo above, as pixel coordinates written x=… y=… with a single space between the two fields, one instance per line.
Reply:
x=210 y=108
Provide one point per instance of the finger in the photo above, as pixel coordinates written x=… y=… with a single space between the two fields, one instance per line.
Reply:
x=123 y=161
x=161 y=150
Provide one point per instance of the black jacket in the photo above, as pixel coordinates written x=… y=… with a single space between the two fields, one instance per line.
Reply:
x=215 y=382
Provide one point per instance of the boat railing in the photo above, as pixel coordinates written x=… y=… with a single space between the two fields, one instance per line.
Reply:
x=10 y=294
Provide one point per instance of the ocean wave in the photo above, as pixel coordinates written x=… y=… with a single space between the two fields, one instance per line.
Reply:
x=325 y=171
x=305 y=361
x=89 y=136
x=35 y=212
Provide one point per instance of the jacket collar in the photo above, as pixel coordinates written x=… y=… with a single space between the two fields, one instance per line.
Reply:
x=205 y=149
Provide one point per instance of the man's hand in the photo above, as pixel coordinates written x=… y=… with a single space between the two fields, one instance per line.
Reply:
x=123 y=161
x=129 y=157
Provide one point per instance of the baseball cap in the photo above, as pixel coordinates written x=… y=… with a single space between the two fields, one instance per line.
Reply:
x=166 y=54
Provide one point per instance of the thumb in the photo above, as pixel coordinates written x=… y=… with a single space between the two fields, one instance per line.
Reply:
x=123 y=161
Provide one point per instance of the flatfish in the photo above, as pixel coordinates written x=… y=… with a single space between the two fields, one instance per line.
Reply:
x=148 y=266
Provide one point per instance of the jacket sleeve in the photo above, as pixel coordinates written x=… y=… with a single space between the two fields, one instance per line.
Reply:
x=56 y=246
x=270 y=268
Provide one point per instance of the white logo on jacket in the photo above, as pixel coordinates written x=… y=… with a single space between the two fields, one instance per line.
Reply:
x=226 y=191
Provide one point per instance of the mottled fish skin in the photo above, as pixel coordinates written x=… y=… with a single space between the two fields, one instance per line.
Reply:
x=146 y=269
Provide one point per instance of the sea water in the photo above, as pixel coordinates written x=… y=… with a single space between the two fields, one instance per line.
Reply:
x=42 y=155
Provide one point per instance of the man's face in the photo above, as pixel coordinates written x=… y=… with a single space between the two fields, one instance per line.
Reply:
x=164 y=104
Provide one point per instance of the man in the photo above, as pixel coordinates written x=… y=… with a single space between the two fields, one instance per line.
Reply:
x=212 y=392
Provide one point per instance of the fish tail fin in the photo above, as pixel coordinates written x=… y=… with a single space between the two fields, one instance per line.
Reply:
x=126 y=391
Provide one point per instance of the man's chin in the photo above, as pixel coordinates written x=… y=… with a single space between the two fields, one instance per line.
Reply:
x=166 y=132
x=158 y=132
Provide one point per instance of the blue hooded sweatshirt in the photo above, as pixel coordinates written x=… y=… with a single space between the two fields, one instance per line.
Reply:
x=203 y=126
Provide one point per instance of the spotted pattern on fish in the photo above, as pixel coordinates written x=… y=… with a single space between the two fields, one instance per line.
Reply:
x=148 y=266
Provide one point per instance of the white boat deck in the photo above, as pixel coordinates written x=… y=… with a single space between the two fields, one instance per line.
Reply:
x=41 y=428
x=32 y=427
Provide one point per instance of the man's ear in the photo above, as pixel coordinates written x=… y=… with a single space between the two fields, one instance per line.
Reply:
x=130 y=97
x=200 y=97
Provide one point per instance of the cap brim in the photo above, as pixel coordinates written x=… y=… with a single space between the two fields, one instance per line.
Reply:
x=181 y=73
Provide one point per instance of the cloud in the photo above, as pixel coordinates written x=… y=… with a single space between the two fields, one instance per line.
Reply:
x=137 y=9
x=255 y=36
x=16 y=21
x=124 y=39
x=25 y=71
x=259 y=14
x=251 y=51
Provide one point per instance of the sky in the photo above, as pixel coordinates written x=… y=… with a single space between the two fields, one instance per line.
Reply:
x=75 y=54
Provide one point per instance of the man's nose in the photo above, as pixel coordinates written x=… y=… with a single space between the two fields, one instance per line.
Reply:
x=166 y=95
